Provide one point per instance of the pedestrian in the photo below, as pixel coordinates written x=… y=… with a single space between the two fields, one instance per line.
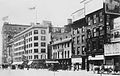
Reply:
x=27 y=67
x=74 y=67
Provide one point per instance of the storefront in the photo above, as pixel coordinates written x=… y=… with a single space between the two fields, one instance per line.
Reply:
x=98 y=60
x=77 y=62
x=112 y=54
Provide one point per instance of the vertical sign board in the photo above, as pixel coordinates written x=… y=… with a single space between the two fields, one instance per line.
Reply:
x=112 y=7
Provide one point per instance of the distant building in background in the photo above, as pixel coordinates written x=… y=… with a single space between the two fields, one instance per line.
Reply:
x=8 y=32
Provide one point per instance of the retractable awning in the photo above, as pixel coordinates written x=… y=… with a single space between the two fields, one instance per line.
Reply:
x=16 y=63
x=30 y=62
x=97 y=57
x=51 y=62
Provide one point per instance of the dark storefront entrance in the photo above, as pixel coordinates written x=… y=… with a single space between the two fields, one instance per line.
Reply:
x=64 y=64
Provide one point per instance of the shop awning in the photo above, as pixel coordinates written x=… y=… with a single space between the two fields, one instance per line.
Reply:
x=30 y=62
x=52 y=62
x=76 y=60
x=97 y=57
x=16 y=63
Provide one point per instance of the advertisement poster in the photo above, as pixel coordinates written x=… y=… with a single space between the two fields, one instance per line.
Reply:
x=112 y=7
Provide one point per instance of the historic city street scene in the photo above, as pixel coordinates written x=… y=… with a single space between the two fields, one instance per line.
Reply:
x=60 y=37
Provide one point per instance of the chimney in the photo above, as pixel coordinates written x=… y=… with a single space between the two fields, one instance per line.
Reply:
x=69 y=21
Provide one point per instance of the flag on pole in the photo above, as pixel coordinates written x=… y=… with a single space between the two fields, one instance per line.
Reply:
x=32 y=8
x=5 y=18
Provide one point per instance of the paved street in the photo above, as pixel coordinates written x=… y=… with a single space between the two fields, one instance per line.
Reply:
x=33 y=72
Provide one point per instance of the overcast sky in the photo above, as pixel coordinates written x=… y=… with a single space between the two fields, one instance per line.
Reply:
x=56 y=11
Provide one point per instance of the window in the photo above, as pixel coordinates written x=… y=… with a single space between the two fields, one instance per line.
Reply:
x=35 y=31
x=35 y=56
x=68 y=44
x=43 y=44
x=97 y=31
x=65 y=54
x=78 y=50
x=43 y=32
x=89 y=21
x=94 y=32
x=62 y=54
x=31 y=45
x=29 y=39
x=58 y=55
x=101 y=16
x=94 y=19
x=94 y=44
x=35 y=37
x=101 y=44
x=83 y=29
x=83 y=38
x=78 y=31
x=30 y=33
x=78 y=39
x=83 y=49
x=35 y=50
x=68 y=54
x=43 y=38
x=108 y=29
x=88 y=33
x=101 y=31
x=43 y=50
x=35 y=44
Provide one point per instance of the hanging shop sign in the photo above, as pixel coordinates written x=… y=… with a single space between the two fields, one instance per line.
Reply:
x=112 y=7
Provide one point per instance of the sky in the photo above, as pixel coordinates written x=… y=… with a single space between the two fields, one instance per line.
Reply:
x=18 y=12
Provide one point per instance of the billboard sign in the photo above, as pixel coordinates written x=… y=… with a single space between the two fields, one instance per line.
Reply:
x=112 y=7
x=112 y=49
x=78 y=14
x=93 y=5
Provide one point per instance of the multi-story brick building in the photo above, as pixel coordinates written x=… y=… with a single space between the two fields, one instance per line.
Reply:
x=61 y=49
x=8 y=31
x=99 y=25
x=32 y=43
x=98 y=21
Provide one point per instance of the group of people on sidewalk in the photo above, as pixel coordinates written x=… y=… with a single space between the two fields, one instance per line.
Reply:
x=106 y=68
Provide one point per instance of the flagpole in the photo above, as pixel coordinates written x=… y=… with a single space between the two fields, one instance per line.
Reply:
x=36 y=15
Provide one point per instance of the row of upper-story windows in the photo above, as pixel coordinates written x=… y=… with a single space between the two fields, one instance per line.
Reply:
x=42 y=31
x=41 y=57
x=23 y=37
x=43 y=38
x=43 y=50
x=23 y=42
x=29 y=34
x=18 y=59
x=43 y=44
x=95 y=19
x=80 y=50
x=64 y=45
x=31 y=57
x=64 y=54
x=78 y=31
x=95 y=32
x=79 y=39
